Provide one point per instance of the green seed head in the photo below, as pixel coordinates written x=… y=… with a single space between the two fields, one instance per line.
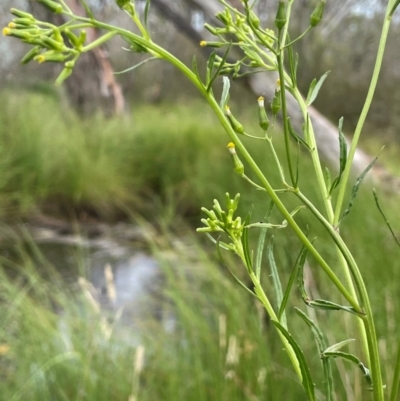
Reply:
x=22 y=14
x=30 y=55
x=317 y=14
x=122 y=3
x=235 y=124
x=52 y=6
x=237 y=164
x=280 y=19
x=276 y=102
x=255 y=21
x=263 y=120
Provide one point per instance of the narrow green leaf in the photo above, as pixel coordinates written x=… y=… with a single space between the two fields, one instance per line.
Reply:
x=261 y=242
x=231 y=272
x=352 y=358
x=319 y=303
x=328 y=305
x=210 y=68
x=300 y=279
x=311 y=90
x=315 y=87
x=384 y=217
x=295 y=135
x=327 y=177
x=195 y=68
x=146 y=12
x=221 y=244
x=305 y=371
x=275 y=279
x=301 y=260
x=356 y=187
x=221 y=65
x=338 y=346
x=342 y=156
x=245 y=244
x=225 y=92
x=321 y=344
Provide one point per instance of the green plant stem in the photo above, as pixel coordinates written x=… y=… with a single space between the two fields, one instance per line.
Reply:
x=363 y=116
x=234 y=137
x=312 y=143
x=139 y=24
x=285 y=118
x=270 y=310
x=299 y=37
x=267 y=305
x=279 y=58
x=286 y=27
x=310 y=139
x=367 y=319
x=277 y=161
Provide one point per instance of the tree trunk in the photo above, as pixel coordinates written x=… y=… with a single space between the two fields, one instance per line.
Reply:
x=93 y=84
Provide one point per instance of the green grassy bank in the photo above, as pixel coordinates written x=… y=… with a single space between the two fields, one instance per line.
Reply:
x=164 y=163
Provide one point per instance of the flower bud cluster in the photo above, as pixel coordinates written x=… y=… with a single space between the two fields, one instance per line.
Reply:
x=48 y=42
x=219 y=220
x=241 y=27
x=227 y=68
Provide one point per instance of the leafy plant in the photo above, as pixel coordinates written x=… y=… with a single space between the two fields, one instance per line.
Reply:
x=261 y=50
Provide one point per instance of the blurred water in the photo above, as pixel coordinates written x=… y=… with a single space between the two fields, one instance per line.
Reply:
x=132 y=295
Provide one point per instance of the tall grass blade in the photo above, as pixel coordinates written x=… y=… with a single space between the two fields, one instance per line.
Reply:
x=385 y=218
x=301 y=259
x=321 y=344
x=356 y=188
x=261 y=242
x=396 y=377
x=305 y=371
x=275 y=278
x=45 y=367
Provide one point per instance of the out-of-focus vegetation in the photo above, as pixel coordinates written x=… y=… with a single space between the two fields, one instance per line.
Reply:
x=164 y=162
x=346 y=45
x=207 y=340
